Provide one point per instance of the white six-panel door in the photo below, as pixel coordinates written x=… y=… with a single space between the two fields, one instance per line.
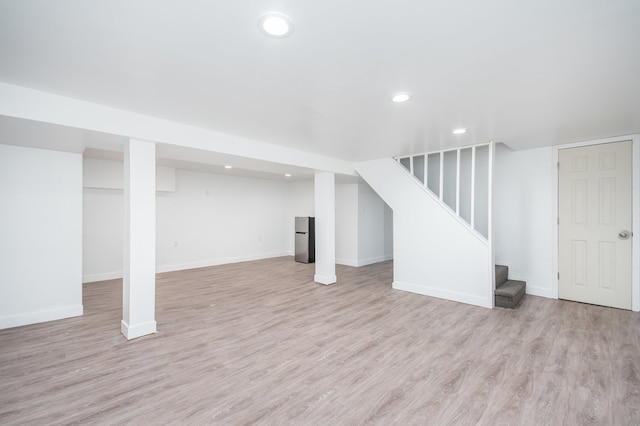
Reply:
x=595 y=217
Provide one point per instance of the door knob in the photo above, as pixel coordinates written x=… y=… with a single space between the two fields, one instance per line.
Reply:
x=623 y=235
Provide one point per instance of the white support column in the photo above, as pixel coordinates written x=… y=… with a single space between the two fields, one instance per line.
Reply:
x=325 y=201
x=492 y=253
x=139 y=263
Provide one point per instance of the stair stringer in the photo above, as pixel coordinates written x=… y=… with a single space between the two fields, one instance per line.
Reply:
x=434 y=254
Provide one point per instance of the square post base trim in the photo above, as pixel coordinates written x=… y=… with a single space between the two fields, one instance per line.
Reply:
x=138 y=330
x=325 y=279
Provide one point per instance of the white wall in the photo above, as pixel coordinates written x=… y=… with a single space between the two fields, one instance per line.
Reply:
x=375 y=227
x=109 y=174
x=347 y=224
x=301 y=202
x=523 y=216
x=364 y=226
x=103 y=213
x=210 y=219
x=41 y=231
x=213 y=219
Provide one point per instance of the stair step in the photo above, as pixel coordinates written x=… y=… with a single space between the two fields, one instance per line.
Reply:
x=502 y=272
x=510 y=293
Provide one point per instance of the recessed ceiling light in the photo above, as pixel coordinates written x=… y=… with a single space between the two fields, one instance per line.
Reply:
x=400 y=97
x=228 y=167
x=274 y=24
x=287 y=175
x=459 y=131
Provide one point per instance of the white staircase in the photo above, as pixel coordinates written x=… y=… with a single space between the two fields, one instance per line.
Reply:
x=441 y=221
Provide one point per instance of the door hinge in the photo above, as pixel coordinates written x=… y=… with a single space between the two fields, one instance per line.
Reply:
x=558 y=220
x=558 y=275
x=558 y=165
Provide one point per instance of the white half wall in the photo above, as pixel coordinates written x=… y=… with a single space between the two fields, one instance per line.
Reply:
x=434 y=254
x=41 y=231
x=524 y=215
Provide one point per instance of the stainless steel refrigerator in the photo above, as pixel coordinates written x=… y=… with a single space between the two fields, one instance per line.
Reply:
x=305 y=239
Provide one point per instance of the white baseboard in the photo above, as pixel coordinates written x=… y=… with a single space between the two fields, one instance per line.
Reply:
x=541 y=291
x=372 y=260
x=346 y=262
x=90 y=278
x=443 y=294
x=216 y=262
x=362 y=262
x=41 y=316
x=138 y=330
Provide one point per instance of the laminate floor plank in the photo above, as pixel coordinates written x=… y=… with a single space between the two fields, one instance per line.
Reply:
x=260 y=343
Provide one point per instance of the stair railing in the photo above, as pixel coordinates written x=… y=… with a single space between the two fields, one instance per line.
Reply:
x=461 y=179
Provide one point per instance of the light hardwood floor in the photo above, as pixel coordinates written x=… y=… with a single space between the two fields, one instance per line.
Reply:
x=260 y=343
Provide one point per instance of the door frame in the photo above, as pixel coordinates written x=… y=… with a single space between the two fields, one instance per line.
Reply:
x=635 y=193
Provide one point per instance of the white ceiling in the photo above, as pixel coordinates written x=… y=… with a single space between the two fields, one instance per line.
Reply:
x=527 y=73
